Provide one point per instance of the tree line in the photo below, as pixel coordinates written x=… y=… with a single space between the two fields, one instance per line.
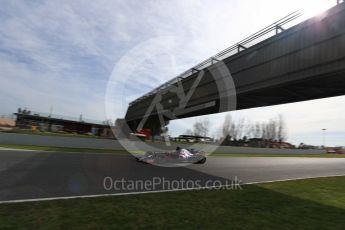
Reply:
x=236 y=129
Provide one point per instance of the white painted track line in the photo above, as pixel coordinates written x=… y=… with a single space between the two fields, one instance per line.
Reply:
x=158 y=191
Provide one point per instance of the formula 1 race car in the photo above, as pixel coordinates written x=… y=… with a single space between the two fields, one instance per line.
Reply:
x=180 y=155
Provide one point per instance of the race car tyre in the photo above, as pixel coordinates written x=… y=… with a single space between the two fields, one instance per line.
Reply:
x=202 y=161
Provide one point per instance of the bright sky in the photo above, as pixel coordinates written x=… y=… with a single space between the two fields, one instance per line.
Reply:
x=68 y=54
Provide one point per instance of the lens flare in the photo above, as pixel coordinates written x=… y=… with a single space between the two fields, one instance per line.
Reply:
x=316 y=7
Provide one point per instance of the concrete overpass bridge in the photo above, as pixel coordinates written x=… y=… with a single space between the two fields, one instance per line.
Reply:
x=274 y=66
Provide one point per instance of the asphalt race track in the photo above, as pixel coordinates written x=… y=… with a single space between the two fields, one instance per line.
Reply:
x=32 y=174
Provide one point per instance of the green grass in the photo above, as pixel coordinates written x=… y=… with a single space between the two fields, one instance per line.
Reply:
x=67 y=149
x=304 y=204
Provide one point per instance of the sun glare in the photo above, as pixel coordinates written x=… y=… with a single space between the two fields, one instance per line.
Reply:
x=313 y=8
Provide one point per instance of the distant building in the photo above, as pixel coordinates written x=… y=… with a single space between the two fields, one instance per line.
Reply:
x=264 y=143
x=337 y=150
x=281 y=145
x=7 y=123
x=53 y=123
